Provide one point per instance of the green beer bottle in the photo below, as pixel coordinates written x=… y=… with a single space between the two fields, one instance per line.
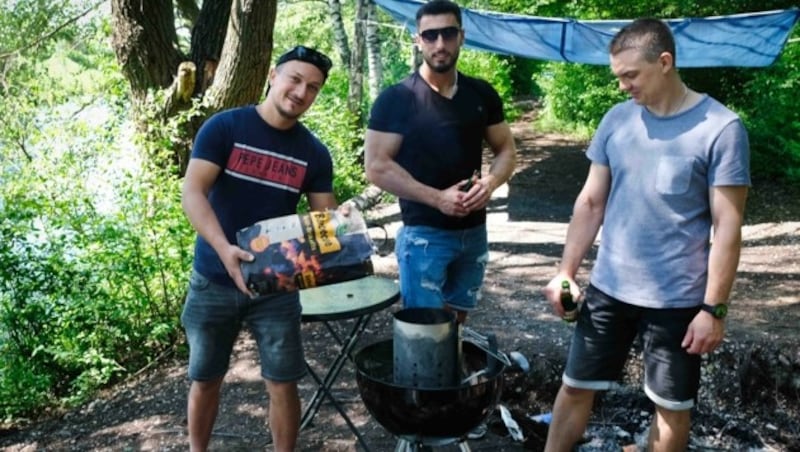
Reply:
x=569 y=305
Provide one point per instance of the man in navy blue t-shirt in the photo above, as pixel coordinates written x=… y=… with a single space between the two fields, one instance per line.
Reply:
x=250 y=164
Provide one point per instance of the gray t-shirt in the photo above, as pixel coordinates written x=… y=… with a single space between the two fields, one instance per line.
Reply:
x=656 y=232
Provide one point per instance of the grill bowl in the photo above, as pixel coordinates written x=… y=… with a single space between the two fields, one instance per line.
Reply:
x=427 y=412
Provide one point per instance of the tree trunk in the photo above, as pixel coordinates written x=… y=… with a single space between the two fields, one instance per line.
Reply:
x=339 y=33
x=208 y=37
x=145 y=43
x=188 y=10
x=373 y=52
x=231 y=45
x=355 y=94
x=415 y=58
x=244 y=65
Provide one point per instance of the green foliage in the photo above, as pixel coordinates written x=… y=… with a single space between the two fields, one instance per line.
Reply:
x=24 y=385
x=521 y=73
x=92 y=281
x=37 y=18
x=768 y=105
x=494 y=69
x=299 y=24
x=93 y=259
x=335 y=126
x=397 y=49
x=94 y=249
x=577 y=97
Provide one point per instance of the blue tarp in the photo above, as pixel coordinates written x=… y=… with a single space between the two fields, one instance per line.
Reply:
x=740 y=40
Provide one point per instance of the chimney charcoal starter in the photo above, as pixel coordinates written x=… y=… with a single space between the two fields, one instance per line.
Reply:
x=426 y=386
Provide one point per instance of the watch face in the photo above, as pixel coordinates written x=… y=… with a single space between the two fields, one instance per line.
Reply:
x=719 y=311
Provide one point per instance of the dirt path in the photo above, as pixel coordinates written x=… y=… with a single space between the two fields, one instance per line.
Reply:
x=744 y=404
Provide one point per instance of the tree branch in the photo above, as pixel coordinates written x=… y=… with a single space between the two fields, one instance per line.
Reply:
x=41 y=39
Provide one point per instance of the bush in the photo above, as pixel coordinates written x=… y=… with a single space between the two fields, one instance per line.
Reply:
x=768 y=104
x=577 y=96
x=90 y=286
x=339 y=129
x=494 y=69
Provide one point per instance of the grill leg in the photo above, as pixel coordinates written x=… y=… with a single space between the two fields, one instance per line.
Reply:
x=404 y=445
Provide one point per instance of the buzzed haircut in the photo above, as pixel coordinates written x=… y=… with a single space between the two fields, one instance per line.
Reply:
x=437 y=7
x=651 y=36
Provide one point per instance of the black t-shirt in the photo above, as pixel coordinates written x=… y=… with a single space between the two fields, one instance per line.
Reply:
x=442 y=138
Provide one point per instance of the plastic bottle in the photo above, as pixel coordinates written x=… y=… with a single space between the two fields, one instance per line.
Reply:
x=569 y=305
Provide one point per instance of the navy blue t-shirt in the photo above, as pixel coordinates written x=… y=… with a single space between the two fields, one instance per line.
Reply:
x=264 y=172
x=442 y=138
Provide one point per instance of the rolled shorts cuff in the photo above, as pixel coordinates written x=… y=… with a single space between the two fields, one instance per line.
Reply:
x=668 y=404
x=593 y=385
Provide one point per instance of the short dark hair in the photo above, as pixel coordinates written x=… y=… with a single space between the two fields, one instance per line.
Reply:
x=651 y=36
x=310 y=56
x=437 y=7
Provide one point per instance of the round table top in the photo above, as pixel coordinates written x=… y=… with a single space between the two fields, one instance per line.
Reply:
x=348 y=299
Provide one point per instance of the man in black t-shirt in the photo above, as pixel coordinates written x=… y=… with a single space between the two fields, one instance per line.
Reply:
x=424 y=144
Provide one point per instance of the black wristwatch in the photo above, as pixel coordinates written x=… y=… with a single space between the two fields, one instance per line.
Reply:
x=719 y=311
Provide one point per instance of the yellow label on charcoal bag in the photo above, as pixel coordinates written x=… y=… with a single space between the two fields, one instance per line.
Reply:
x=325 y=232
x=307 y=279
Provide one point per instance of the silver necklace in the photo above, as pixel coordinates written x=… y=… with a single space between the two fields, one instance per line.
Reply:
x=453 y=89
x=683 y=99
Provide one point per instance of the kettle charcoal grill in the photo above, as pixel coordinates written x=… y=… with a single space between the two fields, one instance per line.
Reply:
x=422 y=417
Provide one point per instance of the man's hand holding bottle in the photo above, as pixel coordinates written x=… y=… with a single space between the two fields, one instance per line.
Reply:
x=564 y=295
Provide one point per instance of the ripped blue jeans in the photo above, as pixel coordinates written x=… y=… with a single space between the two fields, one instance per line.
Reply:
x=440 y=267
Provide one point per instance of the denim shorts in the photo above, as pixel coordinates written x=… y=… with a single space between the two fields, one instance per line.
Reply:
x=213 y=316
x=603 y=338
x=440 y=267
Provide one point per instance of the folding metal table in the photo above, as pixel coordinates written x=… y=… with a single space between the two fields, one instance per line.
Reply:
x=358 y=299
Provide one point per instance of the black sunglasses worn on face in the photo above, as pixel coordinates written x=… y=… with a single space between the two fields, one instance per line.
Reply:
x=308 y=55
x=432 y=34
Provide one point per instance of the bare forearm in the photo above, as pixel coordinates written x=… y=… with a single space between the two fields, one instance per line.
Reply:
x=502 y=168
x=581 y=234
x=502 y=144
x=203 y=219
x=723 y=262
x=391 y=177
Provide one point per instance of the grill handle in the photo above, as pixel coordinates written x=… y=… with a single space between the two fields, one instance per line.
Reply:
x=486 y=343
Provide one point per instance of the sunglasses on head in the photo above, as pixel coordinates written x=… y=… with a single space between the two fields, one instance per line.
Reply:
x=308 y=55
x=432 y=34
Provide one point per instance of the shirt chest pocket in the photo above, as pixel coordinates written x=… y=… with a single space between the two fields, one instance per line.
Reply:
x=674 y=175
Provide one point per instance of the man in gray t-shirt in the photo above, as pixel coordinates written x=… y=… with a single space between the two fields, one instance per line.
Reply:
x=667 y=183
